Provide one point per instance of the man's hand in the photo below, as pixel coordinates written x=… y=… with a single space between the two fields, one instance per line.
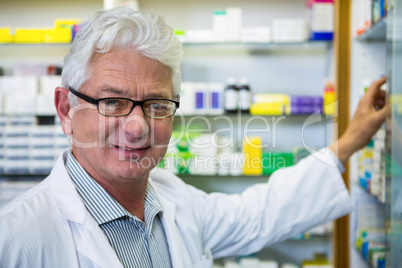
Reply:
x=368 y=118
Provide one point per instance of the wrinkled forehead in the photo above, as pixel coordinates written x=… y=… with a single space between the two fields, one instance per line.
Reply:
x=124 y=70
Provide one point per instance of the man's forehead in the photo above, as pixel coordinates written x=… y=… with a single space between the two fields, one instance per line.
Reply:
x=150 y=90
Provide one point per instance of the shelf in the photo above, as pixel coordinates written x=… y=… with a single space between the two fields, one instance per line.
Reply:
x=208 y=116
x=258 y=44
x=310 y=236
x=248 y=115
x=23 y=175
x=16 y=177
x=270 y=45
x=376 y=33
x=33 y=44
x=199 y=176
x=311 y=46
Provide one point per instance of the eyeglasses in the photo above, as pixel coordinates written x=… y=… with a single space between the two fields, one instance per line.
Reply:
x=115 y=107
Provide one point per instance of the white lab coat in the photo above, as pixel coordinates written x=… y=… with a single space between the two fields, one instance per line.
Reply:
x=49 y=225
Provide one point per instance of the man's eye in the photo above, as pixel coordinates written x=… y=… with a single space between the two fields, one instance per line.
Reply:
x=157 y=106
x=112 y=103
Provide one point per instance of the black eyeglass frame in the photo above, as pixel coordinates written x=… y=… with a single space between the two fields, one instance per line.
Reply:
x=135 y=103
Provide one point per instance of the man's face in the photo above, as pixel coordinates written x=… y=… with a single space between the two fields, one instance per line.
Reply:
x=128 y=147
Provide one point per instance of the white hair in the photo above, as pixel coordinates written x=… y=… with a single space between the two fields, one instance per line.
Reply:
x=144 y=32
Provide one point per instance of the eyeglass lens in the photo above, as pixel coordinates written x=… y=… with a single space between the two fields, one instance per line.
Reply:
x=151 y=108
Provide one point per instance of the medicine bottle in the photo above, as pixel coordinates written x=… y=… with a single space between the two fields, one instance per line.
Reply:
x=244 y=95
x=231 y=96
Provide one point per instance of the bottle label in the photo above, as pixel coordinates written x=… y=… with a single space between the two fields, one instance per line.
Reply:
x=231 y=99
x=199 y=100
x=244 y=98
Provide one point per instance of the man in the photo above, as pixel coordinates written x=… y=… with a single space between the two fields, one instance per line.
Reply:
x=101 y=206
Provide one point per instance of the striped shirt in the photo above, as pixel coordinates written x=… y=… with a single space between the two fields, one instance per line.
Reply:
x=137 y=244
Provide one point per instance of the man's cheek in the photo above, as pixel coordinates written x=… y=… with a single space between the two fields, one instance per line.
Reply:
x=106 y=131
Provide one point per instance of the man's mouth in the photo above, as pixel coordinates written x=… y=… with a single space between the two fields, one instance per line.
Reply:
x=130 y=149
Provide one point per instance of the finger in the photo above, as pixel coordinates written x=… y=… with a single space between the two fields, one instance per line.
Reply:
x=375 y=88
x=380 y=98
x=380 y=103
x=382 y=93
x=380 y=116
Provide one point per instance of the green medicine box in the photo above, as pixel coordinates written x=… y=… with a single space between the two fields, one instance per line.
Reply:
x=272 y=161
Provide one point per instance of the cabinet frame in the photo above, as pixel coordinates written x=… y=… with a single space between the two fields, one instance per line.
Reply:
x=342 y=54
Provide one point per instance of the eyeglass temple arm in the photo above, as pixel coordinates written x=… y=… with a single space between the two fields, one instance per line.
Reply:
x=82 y=96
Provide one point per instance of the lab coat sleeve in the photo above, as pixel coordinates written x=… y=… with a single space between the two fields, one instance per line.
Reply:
x=294 y=200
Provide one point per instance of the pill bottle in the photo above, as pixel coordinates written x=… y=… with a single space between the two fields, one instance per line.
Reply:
x=231 y=96
x=244 y=95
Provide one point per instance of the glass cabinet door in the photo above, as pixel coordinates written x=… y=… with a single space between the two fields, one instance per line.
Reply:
x=394 y=136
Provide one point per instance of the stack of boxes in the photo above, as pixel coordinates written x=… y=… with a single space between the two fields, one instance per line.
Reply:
x=377 y=184
x=369 y=13
x=19 y=93
x=45 y=96
x=283 y=104
x=289 y=30
x=227 y=26
x=370 y=230
x=63 y=31
x=306 y=104
x=27 y=148
x=28 y=94
x=209 y=154
x=370 y=234
x=201 y=98
x=366 y=160
x=321 y=19
x=270 y=104
x=372 y=166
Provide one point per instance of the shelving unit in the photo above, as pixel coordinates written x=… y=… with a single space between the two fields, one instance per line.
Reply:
x=393 y=142
x=368 y=48
x=377 y=52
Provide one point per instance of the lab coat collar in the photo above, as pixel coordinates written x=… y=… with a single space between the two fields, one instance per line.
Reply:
x=65 y=194
x=174 y=240
x=93 y=242
x=177 y=248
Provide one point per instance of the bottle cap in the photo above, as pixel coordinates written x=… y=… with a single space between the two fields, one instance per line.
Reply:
x=231 y=81
x=220 y=12
x=243 y=81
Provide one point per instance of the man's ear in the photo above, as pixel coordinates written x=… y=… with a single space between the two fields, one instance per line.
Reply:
x=62 y=104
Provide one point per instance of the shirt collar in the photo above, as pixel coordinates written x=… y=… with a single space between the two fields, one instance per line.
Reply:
x=100 y=204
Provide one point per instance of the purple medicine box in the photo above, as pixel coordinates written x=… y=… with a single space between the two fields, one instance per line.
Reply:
x=305 y=109
x=306 y=100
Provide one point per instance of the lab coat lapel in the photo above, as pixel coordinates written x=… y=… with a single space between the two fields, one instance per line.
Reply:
x=96 y=247
x=177 y=249
x=91 y=241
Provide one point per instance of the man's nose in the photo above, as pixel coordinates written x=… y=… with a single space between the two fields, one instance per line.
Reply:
x=135 y=126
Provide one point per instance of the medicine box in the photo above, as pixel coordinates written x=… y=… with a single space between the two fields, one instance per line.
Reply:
x=22 y=121
x=321 y=19
x=31 y=36
x=57 y=35
x=26 y=85
x=252 y=150
x=5 y=36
